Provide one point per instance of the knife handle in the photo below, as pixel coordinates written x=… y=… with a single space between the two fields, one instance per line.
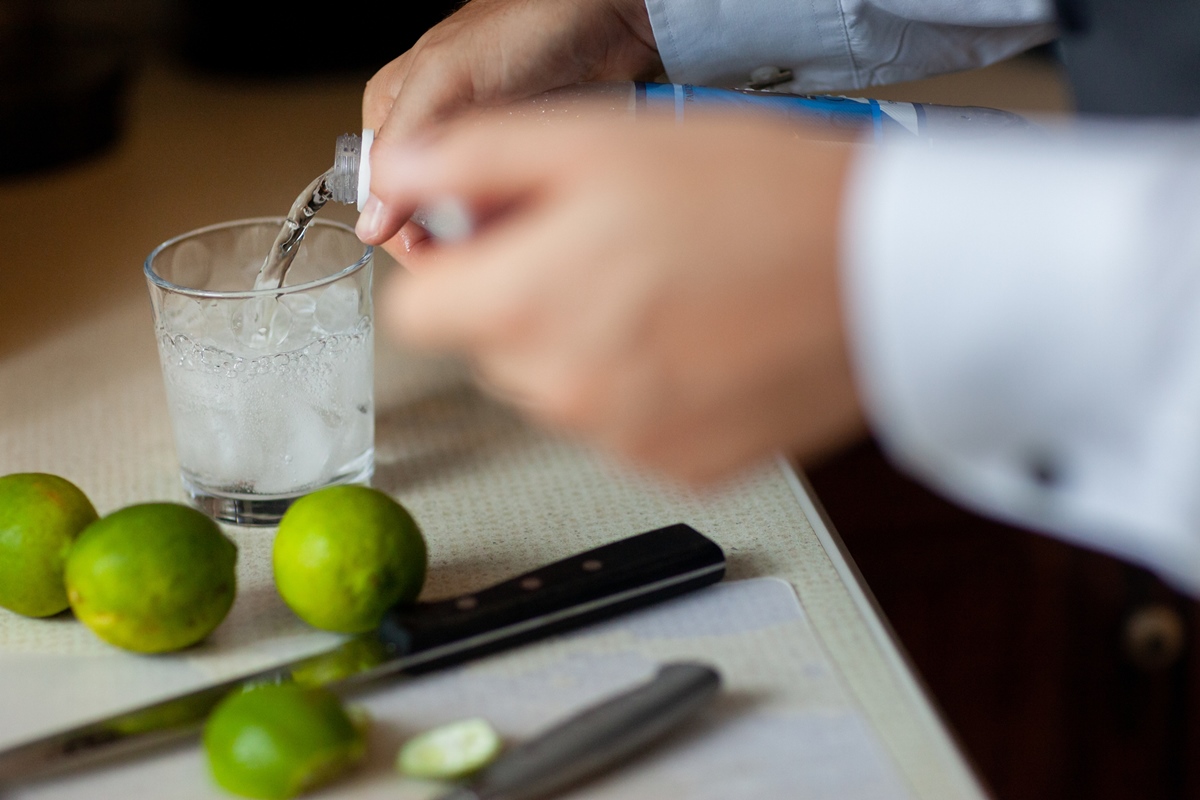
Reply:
x=593 y=585
x=596 y=738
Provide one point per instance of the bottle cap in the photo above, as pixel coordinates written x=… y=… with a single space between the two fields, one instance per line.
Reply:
x=343 y=178
x=364 y=167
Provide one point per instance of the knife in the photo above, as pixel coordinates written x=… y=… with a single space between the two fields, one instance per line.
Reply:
x=596 y=738
x=597 y=584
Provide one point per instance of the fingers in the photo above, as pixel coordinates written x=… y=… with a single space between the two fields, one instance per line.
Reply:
x=434 y=87
x=469 y=297
x=382 y=90
x=422 y=87
x=492 y=52
x=459 y=63
x=416 y=240
x=412 y=246
x=377 y=222
x=486 y=162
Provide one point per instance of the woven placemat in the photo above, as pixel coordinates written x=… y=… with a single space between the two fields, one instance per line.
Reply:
x=494 y=495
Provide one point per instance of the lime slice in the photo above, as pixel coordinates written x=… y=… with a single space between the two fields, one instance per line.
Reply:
x=450 y=751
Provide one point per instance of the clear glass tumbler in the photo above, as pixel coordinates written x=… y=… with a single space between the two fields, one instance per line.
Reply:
x=270 y=391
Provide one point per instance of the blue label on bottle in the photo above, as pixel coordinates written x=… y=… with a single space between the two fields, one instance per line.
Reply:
x=854 y=115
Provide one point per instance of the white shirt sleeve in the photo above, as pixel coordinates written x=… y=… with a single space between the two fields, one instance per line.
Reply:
x=1025 y=318
x=832 y=45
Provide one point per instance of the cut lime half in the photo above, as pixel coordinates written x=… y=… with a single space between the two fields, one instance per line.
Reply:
x=451 y=751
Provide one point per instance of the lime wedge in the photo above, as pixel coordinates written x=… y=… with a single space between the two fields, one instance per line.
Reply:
x=450 y=751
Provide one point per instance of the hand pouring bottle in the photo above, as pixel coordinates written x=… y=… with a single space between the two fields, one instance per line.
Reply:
x=861 y=119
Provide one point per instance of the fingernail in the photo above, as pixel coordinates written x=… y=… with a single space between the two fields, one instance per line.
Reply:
x=370 y=220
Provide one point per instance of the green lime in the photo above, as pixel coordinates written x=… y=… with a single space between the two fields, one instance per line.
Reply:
x=152 y=577
x=40 y=516
x=345 y=554
x=278 y=740
x=451 y=751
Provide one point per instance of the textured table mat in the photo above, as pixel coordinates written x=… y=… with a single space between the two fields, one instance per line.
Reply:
x=495 y=497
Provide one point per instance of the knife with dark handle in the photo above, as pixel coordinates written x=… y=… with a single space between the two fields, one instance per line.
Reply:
x=597 y=738
x=597 y=584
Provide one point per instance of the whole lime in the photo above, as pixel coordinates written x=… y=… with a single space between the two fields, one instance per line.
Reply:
x=152 y=577
x=278 y=740
x=40 y=516
x=345 y=554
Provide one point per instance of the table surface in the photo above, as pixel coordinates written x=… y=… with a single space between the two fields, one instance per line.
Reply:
x=81 y=396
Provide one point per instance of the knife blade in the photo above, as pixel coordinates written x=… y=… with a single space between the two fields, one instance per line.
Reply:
x=590 y=586
x=596 y=738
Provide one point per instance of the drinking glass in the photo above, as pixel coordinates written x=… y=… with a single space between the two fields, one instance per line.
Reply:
x=270 y=391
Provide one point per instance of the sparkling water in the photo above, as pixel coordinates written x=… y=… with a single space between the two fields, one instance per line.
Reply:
x=338 y=183
x=287 y=244
x=276 y=410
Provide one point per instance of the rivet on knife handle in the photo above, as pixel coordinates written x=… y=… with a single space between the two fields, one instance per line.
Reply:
x=597 y=584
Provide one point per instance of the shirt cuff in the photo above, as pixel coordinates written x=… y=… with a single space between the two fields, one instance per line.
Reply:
x=1025 y=320
x=831 y=45
x=720 y=42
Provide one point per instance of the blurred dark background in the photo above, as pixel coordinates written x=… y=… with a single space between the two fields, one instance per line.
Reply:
x=236 y=37
x=1064 y=673
x=66 y=65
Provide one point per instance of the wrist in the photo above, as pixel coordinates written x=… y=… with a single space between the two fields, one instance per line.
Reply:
x=644 y=60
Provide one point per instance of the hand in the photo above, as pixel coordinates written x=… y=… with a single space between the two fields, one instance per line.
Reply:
x=492 y=52
x=667 y=293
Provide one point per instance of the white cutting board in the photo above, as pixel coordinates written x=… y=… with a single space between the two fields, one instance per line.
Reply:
x=756 y=742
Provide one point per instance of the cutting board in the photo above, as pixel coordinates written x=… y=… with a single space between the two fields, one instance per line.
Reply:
x=758 y=741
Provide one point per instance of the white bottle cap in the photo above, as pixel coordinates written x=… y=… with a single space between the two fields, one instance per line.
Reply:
x=364 y=167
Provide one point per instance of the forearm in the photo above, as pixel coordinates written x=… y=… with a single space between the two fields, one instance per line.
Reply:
x=1026 y=323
